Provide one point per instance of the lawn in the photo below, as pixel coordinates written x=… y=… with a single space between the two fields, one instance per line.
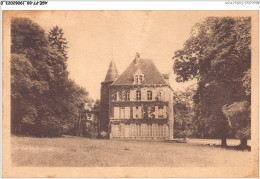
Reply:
x=80 y=152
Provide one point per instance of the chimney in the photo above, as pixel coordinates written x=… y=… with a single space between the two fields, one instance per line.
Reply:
x=137 y=58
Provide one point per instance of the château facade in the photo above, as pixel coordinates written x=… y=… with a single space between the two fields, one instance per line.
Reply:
x=138 y=104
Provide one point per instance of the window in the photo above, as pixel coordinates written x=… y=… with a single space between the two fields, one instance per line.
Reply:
x=151 y=112
x=159 y=95
x=127 y=130
x=123 y=95
x=116 y=112
x=115 y=96
x=140 y=79
x=149 y=95
x=120 y=96
x=136 y=79
x=155 y=131
x=115 y=130
x=138 y=95
x=160 y=112
x=122 y=129
x=127 y=112
x=144 y=130
x=137 y=112
x=127 y=97
x=133 y=129
x=122 y=112
x=164 y=130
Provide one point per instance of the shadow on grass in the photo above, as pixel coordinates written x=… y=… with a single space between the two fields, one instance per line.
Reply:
x=237 y=147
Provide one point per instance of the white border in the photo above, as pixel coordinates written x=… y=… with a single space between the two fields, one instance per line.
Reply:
x=139 y=5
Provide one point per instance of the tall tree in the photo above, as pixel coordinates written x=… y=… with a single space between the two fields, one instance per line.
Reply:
x=43 y=99
x=57 y=40
x=217 y=54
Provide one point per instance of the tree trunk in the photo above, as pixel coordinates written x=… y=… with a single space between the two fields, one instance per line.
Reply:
x=243 y=142
x=223 y=142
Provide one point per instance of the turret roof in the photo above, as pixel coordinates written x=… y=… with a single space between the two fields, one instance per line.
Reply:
x=112 y=73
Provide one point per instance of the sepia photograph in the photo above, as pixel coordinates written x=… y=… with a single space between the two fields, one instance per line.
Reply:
x=131 y=89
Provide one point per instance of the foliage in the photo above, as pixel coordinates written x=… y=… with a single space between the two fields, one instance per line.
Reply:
x=57 y=40
x=218 y=53
x=184 y=113
x=240 y=119
x=247 y=82
x=44 y=101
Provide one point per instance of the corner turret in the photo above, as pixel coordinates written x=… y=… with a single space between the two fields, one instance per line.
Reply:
x=111 y=76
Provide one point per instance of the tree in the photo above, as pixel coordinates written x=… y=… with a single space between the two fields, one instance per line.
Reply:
x=27 y=84
x=57 y=40
x=44 y=101
x=217 y=54
x=183 y=113
x=239 y=115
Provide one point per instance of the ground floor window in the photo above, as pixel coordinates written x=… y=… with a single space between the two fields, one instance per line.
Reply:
x=139 y=130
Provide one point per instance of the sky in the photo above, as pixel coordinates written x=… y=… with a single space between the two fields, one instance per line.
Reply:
x=96 y=37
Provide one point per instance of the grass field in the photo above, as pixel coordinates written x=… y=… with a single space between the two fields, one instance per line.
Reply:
x=80 y=152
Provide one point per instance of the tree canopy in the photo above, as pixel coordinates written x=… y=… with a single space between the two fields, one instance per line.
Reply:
x=44 y=101
x=218 y=54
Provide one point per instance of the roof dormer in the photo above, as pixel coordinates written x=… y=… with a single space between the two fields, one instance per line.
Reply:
x=138 y=77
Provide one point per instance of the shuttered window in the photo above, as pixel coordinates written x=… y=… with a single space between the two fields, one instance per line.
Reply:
x=122 y=113
x=140 y=114
x=137 y=112
x=134 y=112
x=132 y=95
x=116 y=112
x=143 y=94
x=127 y=112
x=156 y=112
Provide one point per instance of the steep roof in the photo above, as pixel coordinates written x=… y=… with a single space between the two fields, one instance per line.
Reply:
x=112 y=73
x=151 y=74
